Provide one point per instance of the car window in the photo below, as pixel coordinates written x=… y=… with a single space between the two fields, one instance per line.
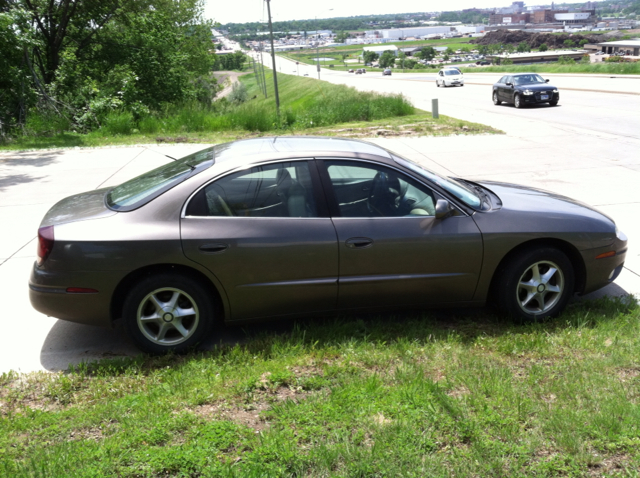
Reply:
x=367 y=190
x=451 y=72
x=276 y=190
x=140 y=190
x=503 y=80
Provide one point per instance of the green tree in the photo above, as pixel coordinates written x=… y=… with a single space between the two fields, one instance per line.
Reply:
x=543 y=47
x=569 y=43
x=583 y=42
x=523 y=47
x=427 y=53
x=387 y=59
x=369 y=56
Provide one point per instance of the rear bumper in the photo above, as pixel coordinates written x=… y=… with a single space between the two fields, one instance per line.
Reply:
x=48 y=295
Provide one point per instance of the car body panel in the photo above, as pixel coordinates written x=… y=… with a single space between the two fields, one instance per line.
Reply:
x=283 y=266
x=540 y=92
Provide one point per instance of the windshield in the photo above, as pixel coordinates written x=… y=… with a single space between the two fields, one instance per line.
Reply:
x=451 y=72
x=459 y=190
x=527 y=79
x=142 y=189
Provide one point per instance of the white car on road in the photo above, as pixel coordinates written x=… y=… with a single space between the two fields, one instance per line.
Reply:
x=450 y=77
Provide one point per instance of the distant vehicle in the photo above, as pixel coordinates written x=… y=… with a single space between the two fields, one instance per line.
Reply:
x=350 y=71
x=449 y=77
x=483 y=62
x=359 y=71
x=364 y=70
x=524 y=89
x=387 y=72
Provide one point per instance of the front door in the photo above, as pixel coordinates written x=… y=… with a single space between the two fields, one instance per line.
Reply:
x=259 y=233
x=393 y=251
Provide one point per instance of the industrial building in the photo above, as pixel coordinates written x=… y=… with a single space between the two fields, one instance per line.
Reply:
x=621 y=47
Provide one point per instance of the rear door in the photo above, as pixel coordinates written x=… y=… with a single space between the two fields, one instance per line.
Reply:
x=392 y=250
x=262 y=233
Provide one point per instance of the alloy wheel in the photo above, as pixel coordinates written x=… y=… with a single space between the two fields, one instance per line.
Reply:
x=540 y=288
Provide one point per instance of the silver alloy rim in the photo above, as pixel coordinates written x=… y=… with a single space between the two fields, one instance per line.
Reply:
x=168 y=316
x=540 y=288
x=517 y=101
x=495 y=97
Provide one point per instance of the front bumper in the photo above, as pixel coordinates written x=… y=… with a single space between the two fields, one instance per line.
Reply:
x=48 y=295
x=540 y=98
x=602 y=272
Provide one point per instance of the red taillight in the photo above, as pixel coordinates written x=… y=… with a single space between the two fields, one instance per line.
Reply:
x=45 y=243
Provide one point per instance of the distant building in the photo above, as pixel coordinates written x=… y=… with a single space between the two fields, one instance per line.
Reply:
x=621 y=47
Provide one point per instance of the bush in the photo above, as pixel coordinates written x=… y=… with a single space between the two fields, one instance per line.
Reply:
x=45 y=122
x=238 y=93
x=119 y=123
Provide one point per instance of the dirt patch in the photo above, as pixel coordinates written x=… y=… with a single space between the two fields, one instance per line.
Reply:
x=226 y=79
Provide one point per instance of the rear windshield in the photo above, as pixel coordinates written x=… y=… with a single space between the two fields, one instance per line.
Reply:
x=142 y=189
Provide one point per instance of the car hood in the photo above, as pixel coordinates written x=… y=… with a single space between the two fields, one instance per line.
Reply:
x=537 y=87
x=80 y=207
x=532 y=210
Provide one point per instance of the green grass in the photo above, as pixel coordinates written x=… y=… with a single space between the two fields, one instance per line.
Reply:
x=307 y=106
x=453 y=394
x=592 y=68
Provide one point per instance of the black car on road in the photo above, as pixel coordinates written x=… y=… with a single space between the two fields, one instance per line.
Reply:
x=524 y=89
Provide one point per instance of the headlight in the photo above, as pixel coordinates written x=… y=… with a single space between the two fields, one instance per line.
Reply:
x=620 y=235
x=528 y=92
x=555 y=91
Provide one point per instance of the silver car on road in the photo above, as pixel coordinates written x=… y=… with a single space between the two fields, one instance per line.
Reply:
x=295 y=226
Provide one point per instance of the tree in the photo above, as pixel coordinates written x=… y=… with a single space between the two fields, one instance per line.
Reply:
x=342 y=36
x=427 y=53
x=543 y=47
x=523 y=47
x=387 y=59
x=369 y=56
x=483 y=50
x=583 y=42
x=450 y=51
x=569 y=43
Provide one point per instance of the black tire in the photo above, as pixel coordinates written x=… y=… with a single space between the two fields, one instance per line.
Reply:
x=437 y=83
x=496 y=101
x=517 y=101
x=168 y=313
x=535 y=284
x=553 y=103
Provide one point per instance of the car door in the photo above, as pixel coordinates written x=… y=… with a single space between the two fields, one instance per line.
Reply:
x=502 y=87
x=392 y=249
x=260 y=232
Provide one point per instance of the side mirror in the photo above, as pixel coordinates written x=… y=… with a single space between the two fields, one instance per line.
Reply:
x=546 y=81
x=509 y=84
x=443 y=208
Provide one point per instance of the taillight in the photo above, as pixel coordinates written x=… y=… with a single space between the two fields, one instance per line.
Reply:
x=45 y=243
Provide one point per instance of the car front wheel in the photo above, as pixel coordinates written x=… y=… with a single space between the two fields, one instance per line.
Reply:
x=517 y=101
x=553 y=103
x=536 y=284
x=168 y=313
x=496 y=101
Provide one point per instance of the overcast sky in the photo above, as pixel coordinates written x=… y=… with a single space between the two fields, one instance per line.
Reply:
x=242 y=11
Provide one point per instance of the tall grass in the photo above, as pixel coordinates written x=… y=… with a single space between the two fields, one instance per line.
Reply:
x=304 y=103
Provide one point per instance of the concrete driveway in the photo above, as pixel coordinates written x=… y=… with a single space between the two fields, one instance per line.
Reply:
x=567 y=160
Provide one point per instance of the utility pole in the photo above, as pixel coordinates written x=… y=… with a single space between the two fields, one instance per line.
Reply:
x=273 y=58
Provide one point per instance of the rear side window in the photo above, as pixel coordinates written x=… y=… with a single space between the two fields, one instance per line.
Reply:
x=276 y=190
x=144 y=188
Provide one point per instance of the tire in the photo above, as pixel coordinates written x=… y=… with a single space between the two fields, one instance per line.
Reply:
x=437 y=83
x=535 y=284
x=517 y=101
x=168 y=313
x=553 y=103
x=496 y=101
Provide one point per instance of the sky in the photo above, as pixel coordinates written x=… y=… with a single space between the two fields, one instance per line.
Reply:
x=243 y=11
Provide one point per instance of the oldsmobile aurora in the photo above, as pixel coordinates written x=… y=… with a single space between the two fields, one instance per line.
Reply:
x=277 y=227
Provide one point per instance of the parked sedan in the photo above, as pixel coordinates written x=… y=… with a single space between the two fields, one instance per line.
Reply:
x=288 y=227
x=523 y=89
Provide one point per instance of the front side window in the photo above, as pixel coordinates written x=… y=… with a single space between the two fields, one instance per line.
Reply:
x=276 y=190
x=367 y=190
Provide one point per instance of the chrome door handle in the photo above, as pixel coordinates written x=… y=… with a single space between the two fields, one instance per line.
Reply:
x=359 y=242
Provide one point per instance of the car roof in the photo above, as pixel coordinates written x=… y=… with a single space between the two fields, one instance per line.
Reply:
x=256 y=149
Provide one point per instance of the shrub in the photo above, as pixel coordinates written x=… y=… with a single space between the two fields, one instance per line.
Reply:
x=45 y=122
x=238 y=93
x=119 y=122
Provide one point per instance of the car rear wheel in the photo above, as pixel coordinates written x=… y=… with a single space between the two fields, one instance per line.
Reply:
x=536 y=284
x=496 y=101
x=517 y=101
x=168 y=313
